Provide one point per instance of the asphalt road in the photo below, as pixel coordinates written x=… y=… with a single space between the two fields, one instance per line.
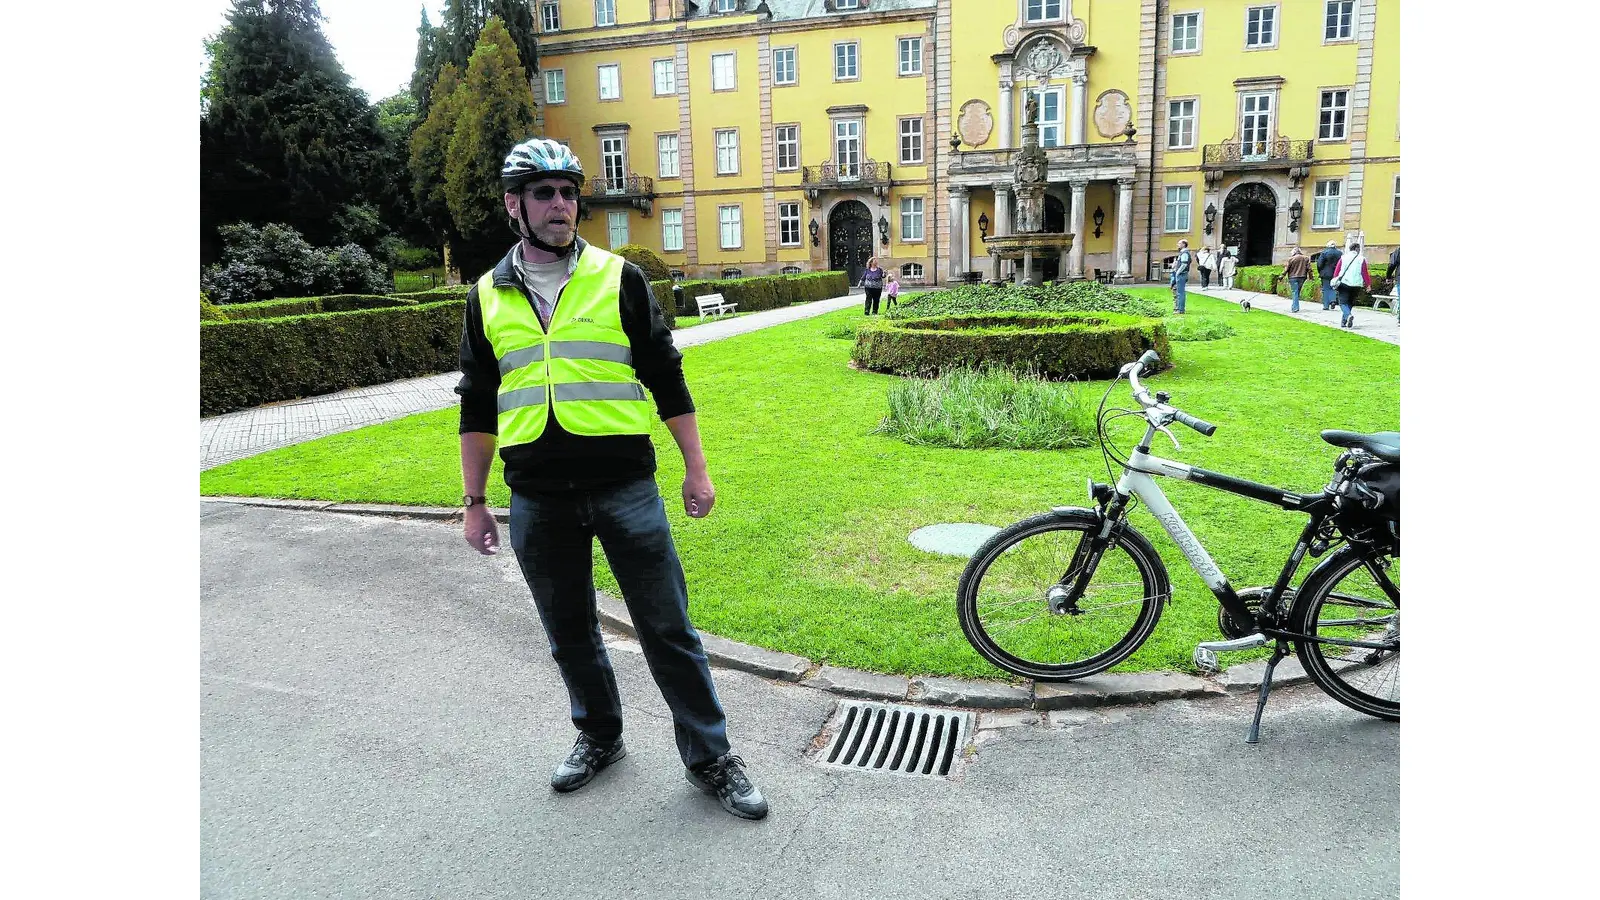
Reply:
x=380 y=714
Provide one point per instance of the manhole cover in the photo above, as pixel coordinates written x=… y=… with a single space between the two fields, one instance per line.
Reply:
x=955 y=539
x=889 y=737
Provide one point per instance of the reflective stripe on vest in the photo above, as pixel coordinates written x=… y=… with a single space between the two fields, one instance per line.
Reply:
x=583 y=363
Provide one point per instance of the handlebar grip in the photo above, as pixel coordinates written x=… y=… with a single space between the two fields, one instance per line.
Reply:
x=1200 y=425
x=1149 y=361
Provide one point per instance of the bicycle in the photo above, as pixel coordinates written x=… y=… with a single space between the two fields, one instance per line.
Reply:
x=1074 y=591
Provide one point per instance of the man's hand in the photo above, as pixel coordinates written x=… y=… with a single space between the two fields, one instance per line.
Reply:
x=481 y=530
x=698 y=494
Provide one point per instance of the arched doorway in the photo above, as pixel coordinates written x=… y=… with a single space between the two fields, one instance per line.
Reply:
x=850 y=238
x=1055 y=222
x=1249 y=222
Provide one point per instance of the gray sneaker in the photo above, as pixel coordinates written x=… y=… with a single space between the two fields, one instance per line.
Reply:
x=726 y=779
x=587 y=758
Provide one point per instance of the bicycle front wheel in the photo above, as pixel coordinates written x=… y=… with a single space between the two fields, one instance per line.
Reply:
x=1010 y=603
x=1355 y=596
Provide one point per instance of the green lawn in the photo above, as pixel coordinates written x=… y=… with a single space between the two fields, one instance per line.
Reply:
x=806 y=551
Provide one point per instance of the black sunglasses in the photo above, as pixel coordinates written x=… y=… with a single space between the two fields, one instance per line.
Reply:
x=544 y=193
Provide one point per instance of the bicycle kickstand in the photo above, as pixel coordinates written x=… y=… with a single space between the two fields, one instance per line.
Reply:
x=1278 y=653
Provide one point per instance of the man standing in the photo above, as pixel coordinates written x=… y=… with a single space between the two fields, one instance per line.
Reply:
x=1350 y=276
x=1207 y=261
x=1180 y=276
x=1327 y=261
x=1296 y=270
x=559 y=342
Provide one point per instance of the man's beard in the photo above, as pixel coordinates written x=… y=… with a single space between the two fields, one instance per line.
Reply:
x=555 y=236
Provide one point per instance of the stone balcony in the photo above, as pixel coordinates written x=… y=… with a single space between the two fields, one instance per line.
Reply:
x=1088 y=158
x=637 y=191
x=1247 y=156
x=869 y=175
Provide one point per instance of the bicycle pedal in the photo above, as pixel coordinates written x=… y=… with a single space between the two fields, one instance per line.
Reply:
x=1206 y=661
x=1248 y=642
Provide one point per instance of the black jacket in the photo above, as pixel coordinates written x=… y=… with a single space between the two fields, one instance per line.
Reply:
x=560 y=460
x=1326 y=260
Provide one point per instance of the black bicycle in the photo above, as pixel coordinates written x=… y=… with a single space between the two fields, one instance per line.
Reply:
x=1077 y=590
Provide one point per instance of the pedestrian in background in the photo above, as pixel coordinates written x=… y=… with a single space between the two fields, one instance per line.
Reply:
x=1297 y=270
x=1350 y=276
x=1208 y=261
x=872 y=283
x=1226 y=267
x=1327 y=261
x=891 y=292
x=1180 y=277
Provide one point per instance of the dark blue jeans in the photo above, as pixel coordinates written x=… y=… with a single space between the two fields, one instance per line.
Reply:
x=1347 y=295
x=1327 y=293
x=1295 y=284
x=553 y=537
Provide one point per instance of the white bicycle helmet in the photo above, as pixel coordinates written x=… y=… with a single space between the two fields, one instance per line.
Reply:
x=538 y=157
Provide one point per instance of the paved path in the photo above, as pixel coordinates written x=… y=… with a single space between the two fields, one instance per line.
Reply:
x=379 y=714
x=1376 y=324
x=247 y=432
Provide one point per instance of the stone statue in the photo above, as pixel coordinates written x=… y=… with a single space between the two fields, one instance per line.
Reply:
x=1030 y=109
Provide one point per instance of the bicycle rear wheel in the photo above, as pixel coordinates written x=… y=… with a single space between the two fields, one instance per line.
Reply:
x=1004 y=598
x=1347 y=598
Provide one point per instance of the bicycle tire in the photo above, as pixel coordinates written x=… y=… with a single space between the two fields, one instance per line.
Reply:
x=1361 y=610
x=1120 y=634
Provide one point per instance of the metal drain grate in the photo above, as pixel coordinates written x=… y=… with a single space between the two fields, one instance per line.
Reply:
x=886 y=737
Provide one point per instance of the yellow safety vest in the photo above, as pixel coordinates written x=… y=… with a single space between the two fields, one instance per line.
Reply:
x=583 y=363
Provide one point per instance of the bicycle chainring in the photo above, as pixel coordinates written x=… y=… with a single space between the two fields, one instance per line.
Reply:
x=1253 y=598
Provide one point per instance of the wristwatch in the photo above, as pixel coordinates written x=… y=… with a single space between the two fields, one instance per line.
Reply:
x=469 y=500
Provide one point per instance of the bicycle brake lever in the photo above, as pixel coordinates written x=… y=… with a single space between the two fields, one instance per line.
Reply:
x=1170 y=436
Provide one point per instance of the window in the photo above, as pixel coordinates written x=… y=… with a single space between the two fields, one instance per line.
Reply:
x=732 y=273
x=550 y=15
x=784 y=70
x=911 y=272
x=911 y=56
x=1340 y=21
x=1394 y=218
x=727 y=6
x=728 y=151
x=911 y=142
x=847 y=4
x=672 y=233
x=723 y=77
x=789 y=270
x=1052 y=116
x=787 y=139
x=1181 y=124
x=610 y=82
x=845 y=62
x=732 y=228
x=1255 y=127
x=667 y=155
x=1335 y=107
x=605 y=12
x=1261 y=26
x=617 y=227
x=666 y=76
x=677 y=275
x=1178 y=202
x=1043 y=10
x=1325 y=208
x=847 y=148
x=1186 y=33
x=555 y=85
x=614 y=163
x=789 y=224
x=910 y=218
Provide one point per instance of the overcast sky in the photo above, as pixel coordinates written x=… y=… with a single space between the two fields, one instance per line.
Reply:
x=376 y=39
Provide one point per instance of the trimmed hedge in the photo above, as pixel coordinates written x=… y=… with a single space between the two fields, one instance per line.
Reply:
x=303 y=306
x=1270 y=280
x=248 y=363
x=765 y=291
x=1055 y=346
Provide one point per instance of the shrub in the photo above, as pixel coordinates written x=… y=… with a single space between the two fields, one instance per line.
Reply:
x=410 y=259
x=247 y=363
x=1311 y=291
x=840 y=330
x=766 y=291
x=661 y=290
x=1197 y=328
x=303 y=306
x=646 y=259
x=259 y=263
x=1076 y=296
x=1051 y=345
x=208 y=310
x=1262 y=279
x=989 y=408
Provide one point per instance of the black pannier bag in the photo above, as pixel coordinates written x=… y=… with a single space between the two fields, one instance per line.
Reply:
x=1376 y=488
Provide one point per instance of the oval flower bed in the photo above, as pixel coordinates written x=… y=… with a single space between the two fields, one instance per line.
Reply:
x=1050 y=345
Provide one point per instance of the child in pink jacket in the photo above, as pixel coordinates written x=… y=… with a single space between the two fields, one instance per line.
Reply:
x=891 y=291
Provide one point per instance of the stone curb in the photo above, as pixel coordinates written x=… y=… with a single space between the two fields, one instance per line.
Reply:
x=1110 y=689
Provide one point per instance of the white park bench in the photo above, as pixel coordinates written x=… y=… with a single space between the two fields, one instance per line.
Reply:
x=714 y=305
x=1378 y=300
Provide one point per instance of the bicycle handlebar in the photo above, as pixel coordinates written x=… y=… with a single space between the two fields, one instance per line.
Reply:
x=1149 y=360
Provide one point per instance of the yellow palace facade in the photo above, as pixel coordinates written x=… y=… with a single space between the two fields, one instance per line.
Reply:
x=749 y=137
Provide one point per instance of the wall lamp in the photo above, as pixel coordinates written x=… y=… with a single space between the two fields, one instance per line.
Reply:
x=983 y=224
x=1294 y=215
x=883 y=230
x=1099 y=219
x=1211 y=216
